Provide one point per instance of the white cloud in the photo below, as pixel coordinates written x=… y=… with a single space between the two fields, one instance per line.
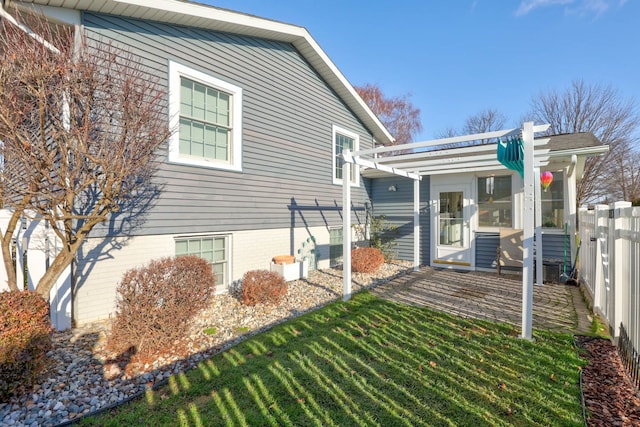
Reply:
x=571 y=7
x=527 y=6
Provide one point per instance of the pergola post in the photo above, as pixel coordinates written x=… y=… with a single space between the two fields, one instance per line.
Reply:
x=416 y=224
x=346 y=226
x=538 y=203
x=528 y=228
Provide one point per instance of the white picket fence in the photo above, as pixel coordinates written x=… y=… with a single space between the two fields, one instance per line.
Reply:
x=610 y=270
x=35 y=247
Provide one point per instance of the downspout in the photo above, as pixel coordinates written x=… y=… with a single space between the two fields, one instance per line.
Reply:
x=573 y=203
x=572 y=166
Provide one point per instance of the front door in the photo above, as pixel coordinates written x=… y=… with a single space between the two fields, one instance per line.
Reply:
x=451 y=226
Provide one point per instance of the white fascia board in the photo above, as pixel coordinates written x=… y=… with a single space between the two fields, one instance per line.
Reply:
x=57 y=15
x=586 y=151
x=246 y=22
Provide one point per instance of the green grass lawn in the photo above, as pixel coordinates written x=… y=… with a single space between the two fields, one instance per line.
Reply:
x=373 y=362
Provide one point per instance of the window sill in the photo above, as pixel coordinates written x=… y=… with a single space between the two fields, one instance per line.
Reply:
x=186 y=161
x=492 y=229
x=552 y=230
x=339 y=182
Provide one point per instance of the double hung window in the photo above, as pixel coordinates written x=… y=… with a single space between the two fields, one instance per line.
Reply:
x=205 y=116
x=495 y=204
x=213 y=249
x=344 y=140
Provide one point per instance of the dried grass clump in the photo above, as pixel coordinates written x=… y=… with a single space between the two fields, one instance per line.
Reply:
x=366 y=260
x=263 y=287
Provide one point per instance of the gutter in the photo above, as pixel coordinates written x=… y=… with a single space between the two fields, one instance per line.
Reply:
x=6 y=15
x=580 y=151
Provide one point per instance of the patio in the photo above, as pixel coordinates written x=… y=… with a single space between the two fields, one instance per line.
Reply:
x=556 y=307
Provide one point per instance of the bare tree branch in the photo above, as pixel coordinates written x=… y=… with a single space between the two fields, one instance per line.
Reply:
x=79 y=132
x=397 y=114
x=614 y=120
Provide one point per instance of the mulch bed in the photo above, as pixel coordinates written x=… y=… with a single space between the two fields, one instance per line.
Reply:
x=609 y=396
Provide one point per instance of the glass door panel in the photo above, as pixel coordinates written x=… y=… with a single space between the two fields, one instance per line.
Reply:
x=451 y=219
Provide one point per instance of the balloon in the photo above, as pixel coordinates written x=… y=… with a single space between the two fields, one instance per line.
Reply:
x=546 y=178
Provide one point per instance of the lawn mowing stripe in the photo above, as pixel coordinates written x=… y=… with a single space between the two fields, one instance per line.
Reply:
x=332 y=389
x=260 y=389
x=375 y=394
x=296 y=391
x=277 y=411
x=409 y=374
x=412 y=370
x=222 y=408
x=182 y=418
x=195 y=415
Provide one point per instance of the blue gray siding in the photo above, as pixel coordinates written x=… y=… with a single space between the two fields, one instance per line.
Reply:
x=552 y=248
x=288 y=113
x=397 y=207
x=486 y=246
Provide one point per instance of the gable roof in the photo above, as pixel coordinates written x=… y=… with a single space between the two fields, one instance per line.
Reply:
x=192 y=14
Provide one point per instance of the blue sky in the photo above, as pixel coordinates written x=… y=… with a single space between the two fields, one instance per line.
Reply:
x=457 y=58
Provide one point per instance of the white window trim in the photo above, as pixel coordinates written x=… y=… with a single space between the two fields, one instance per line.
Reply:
x=175 y=72
x=514 y=194
x=220 y=287
x=356 y=146
x=565 y=203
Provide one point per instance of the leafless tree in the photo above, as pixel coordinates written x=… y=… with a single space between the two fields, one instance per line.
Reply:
x=449 y=132
x=488 y=120
x=623 y=177
x=397 y=114
x=80 y=126
x=602 y=111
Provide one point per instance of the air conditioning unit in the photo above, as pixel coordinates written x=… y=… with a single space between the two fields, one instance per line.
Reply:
x=551 y=271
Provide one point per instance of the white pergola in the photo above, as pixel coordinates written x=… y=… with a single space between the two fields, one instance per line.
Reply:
x=434 y=159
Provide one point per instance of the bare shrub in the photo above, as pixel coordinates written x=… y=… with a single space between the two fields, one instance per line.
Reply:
x=156 y=303
x=25 y=338
x=262 y=286
x=366 y=260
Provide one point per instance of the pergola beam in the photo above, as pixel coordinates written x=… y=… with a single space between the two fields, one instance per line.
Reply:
x=443 y=141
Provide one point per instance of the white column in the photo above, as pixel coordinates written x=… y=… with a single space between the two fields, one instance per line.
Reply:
x=346 y=227
x=416 y=224
x=570 y=205
x=528 y=226
x=538 y=203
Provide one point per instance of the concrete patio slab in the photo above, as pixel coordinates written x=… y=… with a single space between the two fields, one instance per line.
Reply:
x=556 y=307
